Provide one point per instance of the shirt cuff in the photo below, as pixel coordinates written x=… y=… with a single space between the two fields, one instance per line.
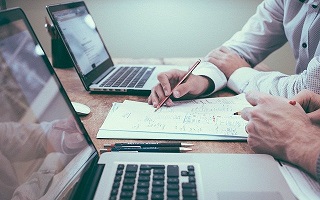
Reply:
x=211 y=71
x=240 y=78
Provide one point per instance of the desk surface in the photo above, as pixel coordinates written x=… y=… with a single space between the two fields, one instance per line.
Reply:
x=100 y=105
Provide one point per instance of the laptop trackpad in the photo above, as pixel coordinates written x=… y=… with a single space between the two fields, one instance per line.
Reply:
x=249 y=195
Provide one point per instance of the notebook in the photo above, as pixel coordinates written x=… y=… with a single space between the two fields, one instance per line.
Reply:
x=91 y=58
x=46 y=152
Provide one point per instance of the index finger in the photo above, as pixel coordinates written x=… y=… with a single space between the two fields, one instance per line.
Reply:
x=253 y=97
x=167 y=78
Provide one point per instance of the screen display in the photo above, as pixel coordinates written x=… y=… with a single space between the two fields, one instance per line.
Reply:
x=79 y=31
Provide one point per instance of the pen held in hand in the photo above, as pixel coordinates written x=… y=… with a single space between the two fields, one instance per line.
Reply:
x=237 y=113
x=184 y=78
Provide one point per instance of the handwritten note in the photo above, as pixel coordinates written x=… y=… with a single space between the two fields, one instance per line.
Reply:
x=210 y=116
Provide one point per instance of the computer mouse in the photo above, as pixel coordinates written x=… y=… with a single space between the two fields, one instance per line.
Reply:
x=81 y=109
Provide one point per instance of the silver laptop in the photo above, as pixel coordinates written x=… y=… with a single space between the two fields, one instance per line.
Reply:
x=91 y=57
x=46 y=152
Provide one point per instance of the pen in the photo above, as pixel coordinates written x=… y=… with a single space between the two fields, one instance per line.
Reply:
x=237 y=113
x=184 y=78
x=148 y=145
x=147 y=149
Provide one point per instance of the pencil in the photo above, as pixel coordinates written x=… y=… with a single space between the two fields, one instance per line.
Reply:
x=184 y=78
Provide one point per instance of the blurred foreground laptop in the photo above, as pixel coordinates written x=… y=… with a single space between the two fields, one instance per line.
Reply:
x=46 y=152
x=91 y=57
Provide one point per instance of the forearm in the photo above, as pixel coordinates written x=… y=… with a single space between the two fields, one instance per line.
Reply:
x=307 y=156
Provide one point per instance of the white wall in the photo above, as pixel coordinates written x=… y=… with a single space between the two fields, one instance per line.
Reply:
x=161 y=28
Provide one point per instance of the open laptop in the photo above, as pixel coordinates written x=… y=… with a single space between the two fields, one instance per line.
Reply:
x=46 y=152
x=91 y=58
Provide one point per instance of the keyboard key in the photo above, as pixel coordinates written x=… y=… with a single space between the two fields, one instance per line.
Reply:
x=173 y=193
x=173 y=186
x=157 y=189
x=157 y=183
x=143 y=184
x=144 y=178
x=173 y=171
x=189 y=192
x=132 y=168
x=157 y=196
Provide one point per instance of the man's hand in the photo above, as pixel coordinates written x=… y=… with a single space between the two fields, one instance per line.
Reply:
x=226 y=60
x=194 y=86
x=282 y=130
x=310 y=102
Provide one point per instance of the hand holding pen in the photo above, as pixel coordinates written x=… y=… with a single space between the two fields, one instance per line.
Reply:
x=184 y=78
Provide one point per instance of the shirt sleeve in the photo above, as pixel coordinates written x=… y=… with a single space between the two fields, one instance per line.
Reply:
x=211 y=71
x=259 y=38
x=276 y=83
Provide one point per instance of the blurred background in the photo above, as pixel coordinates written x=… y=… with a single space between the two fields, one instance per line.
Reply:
x=161 y=28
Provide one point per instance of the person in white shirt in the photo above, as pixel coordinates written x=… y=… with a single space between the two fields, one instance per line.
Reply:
x=274 y=23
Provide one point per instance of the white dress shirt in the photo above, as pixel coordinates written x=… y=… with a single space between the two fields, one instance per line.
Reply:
x=275 y=23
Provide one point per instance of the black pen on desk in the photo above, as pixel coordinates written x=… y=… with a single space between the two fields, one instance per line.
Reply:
x=147 y=149
x=179 y=144
x=184 y=78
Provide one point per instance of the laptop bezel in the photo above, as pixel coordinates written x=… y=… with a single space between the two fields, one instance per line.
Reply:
x=98 y=71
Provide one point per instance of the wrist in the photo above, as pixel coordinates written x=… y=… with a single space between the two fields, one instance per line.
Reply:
x=305 y=151
x=209 y=86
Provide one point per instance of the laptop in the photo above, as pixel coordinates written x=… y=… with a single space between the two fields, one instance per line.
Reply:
x=91 y=58
x=46 y=152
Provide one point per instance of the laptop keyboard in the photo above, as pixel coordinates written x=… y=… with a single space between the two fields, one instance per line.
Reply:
x=132 y=77
x=148 y=181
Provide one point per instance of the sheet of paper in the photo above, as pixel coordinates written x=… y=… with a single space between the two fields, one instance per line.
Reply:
x=301 y=184
x=212 y=117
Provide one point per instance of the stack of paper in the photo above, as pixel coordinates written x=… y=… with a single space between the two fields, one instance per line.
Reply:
x=200 y=119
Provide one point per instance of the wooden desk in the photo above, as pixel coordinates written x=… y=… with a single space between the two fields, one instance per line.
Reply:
x=100 y=105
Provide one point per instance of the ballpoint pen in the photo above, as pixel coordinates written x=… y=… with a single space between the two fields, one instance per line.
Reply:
x=175 y=144
x=184 y=78
x=147 y=149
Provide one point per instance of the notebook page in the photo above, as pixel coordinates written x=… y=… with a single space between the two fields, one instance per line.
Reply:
x=210 y=116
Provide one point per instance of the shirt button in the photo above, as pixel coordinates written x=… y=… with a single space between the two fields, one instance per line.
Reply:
x=314 y=6
x=304 y=45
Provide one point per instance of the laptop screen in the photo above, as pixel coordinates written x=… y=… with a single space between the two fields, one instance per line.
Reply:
x=43 y=145
x=80 y=32
x=82 y=39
